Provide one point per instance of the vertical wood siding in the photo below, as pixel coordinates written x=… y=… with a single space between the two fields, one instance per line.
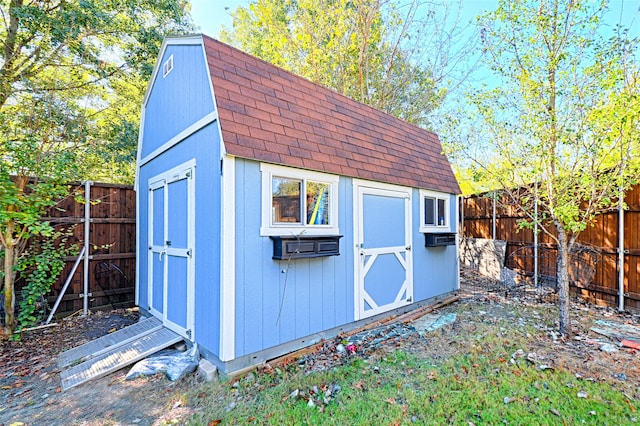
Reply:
x=315 y=294
x=112 y=237
x=203 y=145
x=435 y=269
x=603 y=236
x=174 y=104
x=179 y=100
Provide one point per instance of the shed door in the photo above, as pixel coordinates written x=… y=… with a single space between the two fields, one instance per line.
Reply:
x=383 y=248
x=171 y=242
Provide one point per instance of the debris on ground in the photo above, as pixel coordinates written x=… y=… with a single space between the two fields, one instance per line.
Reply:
x=432 y=322
x=31 y=387
x=30 y=381
x=633 y=344
x=172 y=362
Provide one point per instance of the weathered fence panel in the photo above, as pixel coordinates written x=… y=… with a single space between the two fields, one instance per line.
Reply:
x=112 y=248
x=602 y=237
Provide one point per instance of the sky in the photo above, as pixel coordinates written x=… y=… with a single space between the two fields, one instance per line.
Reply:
x=209 y=15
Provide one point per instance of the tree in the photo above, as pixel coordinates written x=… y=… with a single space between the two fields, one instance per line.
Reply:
x=64 y=65
x=562 y=127
x=402 y=57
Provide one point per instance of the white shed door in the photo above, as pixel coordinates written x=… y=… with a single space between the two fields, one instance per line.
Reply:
x=171 y=242
x=382 y=215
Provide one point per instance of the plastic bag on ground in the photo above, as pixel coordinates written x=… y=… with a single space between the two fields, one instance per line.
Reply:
x=173 y=363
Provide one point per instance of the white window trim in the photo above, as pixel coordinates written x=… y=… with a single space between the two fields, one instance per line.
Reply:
x=447 y=208
x=268 y=171
x=167 y=66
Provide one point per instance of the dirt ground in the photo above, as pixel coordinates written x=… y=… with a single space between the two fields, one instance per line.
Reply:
x=30 y=382
x=30 y=392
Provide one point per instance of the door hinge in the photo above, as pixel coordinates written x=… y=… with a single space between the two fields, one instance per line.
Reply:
x=189 y=334
x=189 y=252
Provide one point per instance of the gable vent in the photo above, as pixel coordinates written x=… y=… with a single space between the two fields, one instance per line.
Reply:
x=167 y=66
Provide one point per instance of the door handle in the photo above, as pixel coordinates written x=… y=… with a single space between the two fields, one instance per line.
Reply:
x=160 y=254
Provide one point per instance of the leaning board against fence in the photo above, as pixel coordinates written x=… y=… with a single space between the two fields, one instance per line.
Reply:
x=111 y=267
x=594 y=268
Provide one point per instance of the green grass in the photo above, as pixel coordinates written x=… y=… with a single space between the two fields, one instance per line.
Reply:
x=465 y=383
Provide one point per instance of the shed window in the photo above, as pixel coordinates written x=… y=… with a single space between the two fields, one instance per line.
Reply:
x=167 y=66
x=285 y=200
x=434 y=212
x=298 y=202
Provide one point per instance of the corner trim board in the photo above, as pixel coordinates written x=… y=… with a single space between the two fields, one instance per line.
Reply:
x=228 y=253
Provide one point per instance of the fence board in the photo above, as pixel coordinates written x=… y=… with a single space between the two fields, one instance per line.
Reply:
x=602 y=235
x=112 y=247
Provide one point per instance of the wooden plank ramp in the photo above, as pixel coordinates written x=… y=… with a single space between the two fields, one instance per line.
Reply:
x=122 y=350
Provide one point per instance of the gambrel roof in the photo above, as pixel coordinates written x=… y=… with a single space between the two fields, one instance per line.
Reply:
x=269 y=114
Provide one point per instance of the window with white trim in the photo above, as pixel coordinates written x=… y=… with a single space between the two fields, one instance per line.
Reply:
x=298 y=201
x=167 y=66
x=434 y=211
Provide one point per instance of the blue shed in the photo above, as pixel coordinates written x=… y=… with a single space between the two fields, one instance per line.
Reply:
x=273 y=212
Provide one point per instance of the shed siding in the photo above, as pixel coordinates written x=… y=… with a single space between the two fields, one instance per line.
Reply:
x=203 y=145
x=435 y=269
x=178 y=100
x=315 y=294
x=274 y=302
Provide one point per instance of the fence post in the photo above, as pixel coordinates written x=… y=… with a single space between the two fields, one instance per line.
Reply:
x=461 y=212
x=621 y=250
x=535 y=237
x=87 y=223
x=493 y=233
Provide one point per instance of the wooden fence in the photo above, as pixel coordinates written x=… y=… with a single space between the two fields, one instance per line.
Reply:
x=112 y=247
x=594 y=270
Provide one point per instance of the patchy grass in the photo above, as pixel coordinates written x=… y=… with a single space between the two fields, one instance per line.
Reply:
x=481 y=370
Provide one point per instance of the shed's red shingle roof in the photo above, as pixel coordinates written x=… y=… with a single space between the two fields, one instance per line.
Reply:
x=269 y=114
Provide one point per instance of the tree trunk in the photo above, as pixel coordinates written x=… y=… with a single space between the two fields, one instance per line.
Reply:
x=9 y=294
x=11 y=252
x=563 y=282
